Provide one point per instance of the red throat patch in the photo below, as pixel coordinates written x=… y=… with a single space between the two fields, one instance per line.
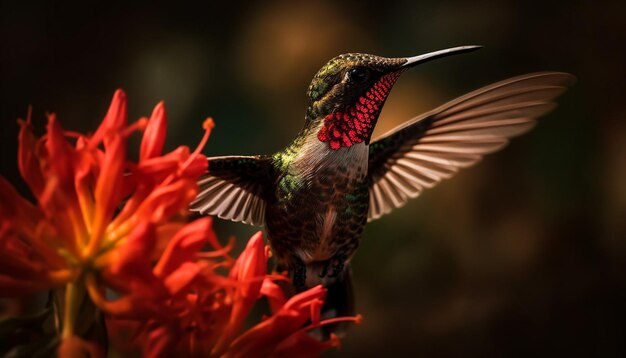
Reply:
x=356 y=123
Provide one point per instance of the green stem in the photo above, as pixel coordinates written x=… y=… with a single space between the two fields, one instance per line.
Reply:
x=74 y=295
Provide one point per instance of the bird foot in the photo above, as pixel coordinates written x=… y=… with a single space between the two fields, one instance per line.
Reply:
x=336 y=264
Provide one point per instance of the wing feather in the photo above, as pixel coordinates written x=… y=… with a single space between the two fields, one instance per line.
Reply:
x=234 y=188
x=432 y=147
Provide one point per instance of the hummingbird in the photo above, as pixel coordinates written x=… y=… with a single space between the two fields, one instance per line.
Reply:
x=316 y=196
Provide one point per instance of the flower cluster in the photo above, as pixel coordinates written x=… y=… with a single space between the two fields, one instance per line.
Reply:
x=117 y=232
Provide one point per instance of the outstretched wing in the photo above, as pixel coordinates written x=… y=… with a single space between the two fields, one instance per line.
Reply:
x=434 y=146
x=234 y=188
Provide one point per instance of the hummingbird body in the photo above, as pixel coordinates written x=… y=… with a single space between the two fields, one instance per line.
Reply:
x=319 y=209
x=316 y=196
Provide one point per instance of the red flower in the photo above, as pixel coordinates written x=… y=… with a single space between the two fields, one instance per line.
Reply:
x=285 y=333
x=210 y=309
x=73 y=232
x=104 y=224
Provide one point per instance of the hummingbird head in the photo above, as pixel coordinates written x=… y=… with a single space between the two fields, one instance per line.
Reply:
x=348 y=93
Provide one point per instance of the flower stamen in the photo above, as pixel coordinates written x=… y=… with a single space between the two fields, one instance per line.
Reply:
x=208 y=126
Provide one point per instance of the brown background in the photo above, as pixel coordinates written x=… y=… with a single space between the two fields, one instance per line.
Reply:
x=522 y=255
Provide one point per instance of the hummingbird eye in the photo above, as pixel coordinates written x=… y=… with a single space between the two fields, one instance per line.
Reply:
x=357 y=75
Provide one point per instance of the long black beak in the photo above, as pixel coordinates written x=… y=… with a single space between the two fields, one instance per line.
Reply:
x=416 y=60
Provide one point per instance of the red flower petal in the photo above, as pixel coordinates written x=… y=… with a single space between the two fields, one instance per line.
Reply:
x=83 y=183
x=275 y=295
x=22 y=215
x=165 y=201
x=181 y=277
x=133 y=268
x=196 y=167
x=18 y=262
x=109 y=190
x=137 y=304
x=134 y=252
x=61 y=157
x=155 y=170
x=252 y=263
x=12 y=287
x=114 y=121
x=249 y=271
x=184 y=246
x=261 y=339
x=59 y=200
x=161 y=342
x=154 y=135
x=27 y=159
x=132 y=306
x=23 y=269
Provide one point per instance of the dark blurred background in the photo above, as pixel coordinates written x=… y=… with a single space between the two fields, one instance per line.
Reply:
x=524 y=254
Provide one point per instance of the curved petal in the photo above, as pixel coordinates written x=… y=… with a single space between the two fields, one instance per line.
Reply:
x=109 y=190
x=114 y=121
x=184 y=246
x=154 y=135
x=261 y=339
x=249 y=271
x=22 y=215
x=27 y=159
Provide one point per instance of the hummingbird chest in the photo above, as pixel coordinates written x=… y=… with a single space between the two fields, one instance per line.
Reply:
x=319 y=207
